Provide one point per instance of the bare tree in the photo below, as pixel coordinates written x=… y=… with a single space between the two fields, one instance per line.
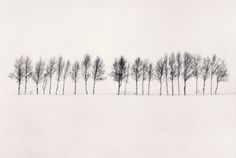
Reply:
x=159 y=72
x=136 y=71
x=127 y=78
x=166 y=72
x=66 y=72
x=38 y=73
x=221 y=74
x=173 y=70
x=27 y=70
x=205 y=71
x=196 y=69
x=51 y=69
x=86 y=64
x=213 y=67
x=60 y=64
x=187 y=69
x=144 y=73
x=18 y=73
x=75 y=74
x=45 y=81
x=150 y=74
x=119 y=71
x=98 y=71
x=179 y=68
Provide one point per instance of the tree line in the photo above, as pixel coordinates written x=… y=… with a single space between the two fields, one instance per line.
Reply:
x=166 y=69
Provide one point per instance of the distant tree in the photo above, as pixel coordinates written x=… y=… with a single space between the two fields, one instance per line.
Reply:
x=213 y=68
x=187 y=69
x=98 y=71
x=86 y=64
x=159 y=72
x=173 y=70
x=66 y=72
x=144 y=68
x=18 y=73
x=196 y=69
x=127 y=77
x=38 y=73
x=136 y=72
x=205 y=71
x=150 y=74
x=51 y=69
x=27 y=70
x=60 y=64
x=179 y=68
x=75 y=74
x=45 y=81
x=221 y=73
x=119 y=71
x=166 y=72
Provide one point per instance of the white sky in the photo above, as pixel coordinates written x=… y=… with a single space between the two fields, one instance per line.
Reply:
x=145 y=28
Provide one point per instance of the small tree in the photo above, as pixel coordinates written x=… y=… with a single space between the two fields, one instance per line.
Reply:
x=150 y=74
x=166 y=72
x=98 y=72
x=51 y=69
x=66 y=72
x=136 y=72
x=60 y=64
x=38 y=74
x=221 y=74
x=127 y=78
x=213 y=68
x=187 y=69
x=27 y=70
x=196 y=69
x=179 y=68
x=144 y=73
x=86 y=64
x=159 y=72
x=18 y=73
x=119 y=71
x=173 y=70
x=75 y=75
x=205 y=71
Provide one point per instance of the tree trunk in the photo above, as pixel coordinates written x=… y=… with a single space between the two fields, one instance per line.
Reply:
x=37 y=89
x=118 y=93
x=167 y=92
x=196 y=86
x=178 y=87
x=143 y=87
x=75 y=88
x=160 y=87
x=136 y=87
x=216 y=87
x=19 y=88
x=203 y=90
x=50 y=86
x=94 y=81
x=149 y=86
x=25 y=85
x=172 y=82
x=63 y=88
x=57 y=86
x=184 y=87
x=125 y=87
x=86 y=90
x=211 y=85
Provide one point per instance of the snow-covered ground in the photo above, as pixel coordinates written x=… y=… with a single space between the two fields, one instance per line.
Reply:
x=109 y=126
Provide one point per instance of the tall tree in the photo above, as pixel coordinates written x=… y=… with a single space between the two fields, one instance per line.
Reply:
x=66 y=72
x=38 y=73
x=150 y=74
x=213 y=69
x=119 y=71
x=205 y=71
x=173 y=70
x=159 y=72
x=27 y=70
x=166 y=72
x=18 y=73
x=60 y=64
x=196 y=69
x=98 y=71
x=221 y=73
x=75 y=74
x=127 y=77
x=179 y=68
x=144 y=68
x=187 y=69
x=51 y=69
x=136 y=72
x=86 y=64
